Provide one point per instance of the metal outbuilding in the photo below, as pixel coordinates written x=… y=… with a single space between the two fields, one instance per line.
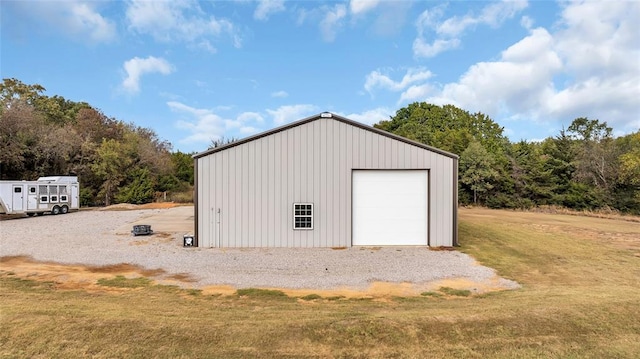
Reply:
x=325 y=181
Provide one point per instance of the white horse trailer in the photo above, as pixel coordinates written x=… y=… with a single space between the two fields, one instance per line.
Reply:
x=55 y=194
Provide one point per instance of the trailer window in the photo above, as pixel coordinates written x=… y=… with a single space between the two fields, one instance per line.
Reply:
x=63 y=198
x=17 y=189
x=44 y=199
x=42 y=189
x=32 y=189
x=54 y=198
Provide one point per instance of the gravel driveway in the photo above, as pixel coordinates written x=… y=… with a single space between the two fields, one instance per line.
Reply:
x=100 y=238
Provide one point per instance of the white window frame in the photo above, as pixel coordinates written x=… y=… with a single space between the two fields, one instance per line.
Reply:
x=43 y=196
x=297 y=214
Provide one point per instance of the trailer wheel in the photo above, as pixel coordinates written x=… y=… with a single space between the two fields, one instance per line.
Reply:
x=55 y=210
x=64 y=210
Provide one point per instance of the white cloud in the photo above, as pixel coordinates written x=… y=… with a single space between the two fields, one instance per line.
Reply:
x=521 y=80
x=388 y=19
x=449 y=31
x=174 y=21
x=85 y=19
x=362 y=6
x=290 y=113
x=587 y=67
x=493 y=15
x=527 y=22
x=332 y=22
x=250 y=117
x=376 y=79
x=429 y=19
x=301 y=16
x=266 y=8
x=423 y=49
x=80 y=20
x=415 y=93
x=207 y=125
x=371 y=117
x=204 y=125
x=137 y=67
x=280 y=94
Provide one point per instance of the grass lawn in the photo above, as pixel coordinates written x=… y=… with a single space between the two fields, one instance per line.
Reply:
x=580 y=298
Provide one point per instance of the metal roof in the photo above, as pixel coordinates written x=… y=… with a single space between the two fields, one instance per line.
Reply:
x=320 y=116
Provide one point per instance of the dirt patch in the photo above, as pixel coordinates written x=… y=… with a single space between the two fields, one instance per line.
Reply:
x=156 y=237
x=76 y=276
x=131 y=207
x=80 y=277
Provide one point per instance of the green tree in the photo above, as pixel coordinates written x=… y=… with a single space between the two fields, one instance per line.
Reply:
x=14 y=90
x=626 y=193
x=183 y=164
x=561 y=157
x=139 y=190
x=630 y=161
x=447 y=127
x=533 y=180
x=477 y=169
x=453 y=129
x=111 y=166
x=596 y=157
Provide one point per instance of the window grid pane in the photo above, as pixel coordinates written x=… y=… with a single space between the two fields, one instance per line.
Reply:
x=303 y=216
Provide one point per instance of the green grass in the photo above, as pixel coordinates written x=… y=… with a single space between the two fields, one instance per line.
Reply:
x=260 y=293
x=311 y=297
x=455 y=292
x=579 y=299
x=122 y=282
x=431 y=294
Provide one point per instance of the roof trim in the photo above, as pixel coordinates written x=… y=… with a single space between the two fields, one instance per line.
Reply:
x=320 y=116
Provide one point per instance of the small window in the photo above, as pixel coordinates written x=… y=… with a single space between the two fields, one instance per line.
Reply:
x=303 y=216
x=32 y=189
x=17 y=189
x=63 y=198
x=44 y=199
x=54 y=198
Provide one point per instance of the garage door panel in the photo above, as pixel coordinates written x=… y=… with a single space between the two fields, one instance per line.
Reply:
x=389 y=207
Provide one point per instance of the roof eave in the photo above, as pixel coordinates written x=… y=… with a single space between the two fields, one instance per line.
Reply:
x=319 y=116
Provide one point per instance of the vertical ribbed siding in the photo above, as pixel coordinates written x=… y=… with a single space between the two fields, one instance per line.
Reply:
x=255 y=184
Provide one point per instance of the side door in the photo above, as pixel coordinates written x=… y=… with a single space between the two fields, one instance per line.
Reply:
x=32 y=198
x=75 y=197
x=18 y=199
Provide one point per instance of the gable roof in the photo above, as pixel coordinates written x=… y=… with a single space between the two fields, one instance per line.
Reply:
x=327 y=115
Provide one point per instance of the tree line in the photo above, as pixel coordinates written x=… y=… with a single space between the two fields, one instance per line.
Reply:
x=583 y=167
x=115 y=161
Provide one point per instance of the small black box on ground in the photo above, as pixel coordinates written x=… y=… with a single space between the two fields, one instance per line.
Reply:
x=188 y=240
x=141 y=230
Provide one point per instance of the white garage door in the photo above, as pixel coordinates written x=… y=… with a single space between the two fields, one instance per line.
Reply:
x=389 y=207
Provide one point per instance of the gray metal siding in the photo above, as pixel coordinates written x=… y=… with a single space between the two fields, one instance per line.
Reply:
x=255 y=184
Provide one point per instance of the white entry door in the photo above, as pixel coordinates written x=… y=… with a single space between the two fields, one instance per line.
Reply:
x=18 y=199
x=389 y=207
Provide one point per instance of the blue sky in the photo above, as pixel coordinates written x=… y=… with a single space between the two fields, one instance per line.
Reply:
x=196 y=71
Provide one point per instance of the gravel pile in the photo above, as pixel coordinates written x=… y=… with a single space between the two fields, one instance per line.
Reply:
x=98 y=238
